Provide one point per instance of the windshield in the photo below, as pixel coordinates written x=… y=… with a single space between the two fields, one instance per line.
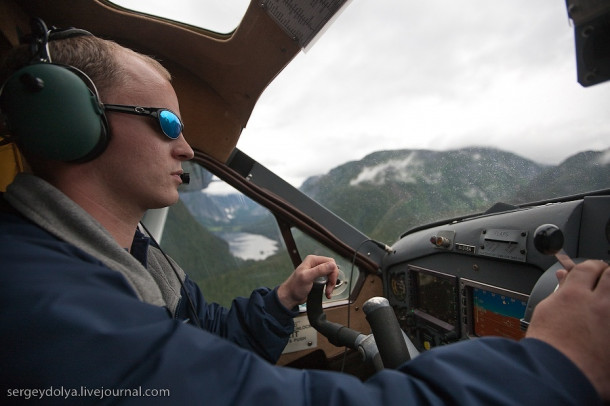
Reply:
x=404 y=113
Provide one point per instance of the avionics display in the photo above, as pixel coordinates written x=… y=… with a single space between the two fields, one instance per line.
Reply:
x=434 y=294
x=491 y=311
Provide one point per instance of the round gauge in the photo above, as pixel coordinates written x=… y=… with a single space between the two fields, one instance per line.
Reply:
x=341 y=285
x=398 y=286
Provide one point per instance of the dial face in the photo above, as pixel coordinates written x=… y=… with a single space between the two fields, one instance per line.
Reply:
x=398 y=286
x=341 y=285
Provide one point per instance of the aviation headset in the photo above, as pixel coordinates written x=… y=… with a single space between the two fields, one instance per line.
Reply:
x=53 y=111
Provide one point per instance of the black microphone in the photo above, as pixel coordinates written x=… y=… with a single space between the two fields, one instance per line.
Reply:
x=185 y=177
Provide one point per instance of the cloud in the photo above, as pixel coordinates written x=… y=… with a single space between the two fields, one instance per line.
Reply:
x=436 y=75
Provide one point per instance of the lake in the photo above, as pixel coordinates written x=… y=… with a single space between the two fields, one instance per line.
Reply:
x=250 y=246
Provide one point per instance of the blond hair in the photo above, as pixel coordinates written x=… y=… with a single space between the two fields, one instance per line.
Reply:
x=99 y=59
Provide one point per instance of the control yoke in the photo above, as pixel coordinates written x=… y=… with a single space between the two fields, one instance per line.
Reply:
x=387 y=347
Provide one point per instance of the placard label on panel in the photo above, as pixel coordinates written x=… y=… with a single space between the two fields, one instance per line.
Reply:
x=304 y=336
x=505 y=244
x=303 y=19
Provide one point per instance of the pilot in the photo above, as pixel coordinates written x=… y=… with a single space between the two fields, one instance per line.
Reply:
x=102 y=178
x=91 y=310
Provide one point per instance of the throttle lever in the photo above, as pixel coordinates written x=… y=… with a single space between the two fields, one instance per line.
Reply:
x=548 y=240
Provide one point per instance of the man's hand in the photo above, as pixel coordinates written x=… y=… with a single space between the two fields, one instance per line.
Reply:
x=576 y=320
x=295 y=289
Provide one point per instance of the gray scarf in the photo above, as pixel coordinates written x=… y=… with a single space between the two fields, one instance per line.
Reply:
x=53 y=211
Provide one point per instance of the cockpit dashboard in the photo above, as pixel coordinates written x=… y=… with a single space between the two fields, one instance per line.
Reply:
x=483 y=276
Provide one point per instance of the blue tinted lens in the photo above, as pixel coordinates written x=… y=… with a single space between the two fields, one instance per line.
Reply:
x=170 y=124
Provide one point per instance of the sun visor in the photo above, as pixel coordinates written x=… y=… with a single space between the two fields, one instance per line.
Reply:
x=592 y=39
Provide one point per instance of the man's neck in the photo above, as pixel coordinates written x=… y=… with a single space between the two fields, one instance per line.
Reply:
x=119 y=220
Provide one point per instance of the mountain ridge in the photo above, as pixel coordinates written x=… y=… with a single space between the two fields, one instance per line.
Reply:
x=409 y=187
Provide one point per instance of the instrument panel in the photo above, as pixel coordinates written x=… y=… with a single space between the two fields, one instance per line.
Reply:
x=483 y=276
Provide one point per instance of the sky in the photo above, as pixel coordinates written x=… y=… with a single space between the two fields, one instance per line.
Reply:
x=440 y=75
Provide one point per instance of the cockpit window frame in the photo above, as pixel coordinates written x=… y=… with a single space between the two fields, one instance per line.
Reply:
x=210 y=25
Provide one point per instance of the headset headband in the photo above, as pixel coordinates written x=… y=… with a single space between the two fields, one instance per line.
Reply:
x=41 y=35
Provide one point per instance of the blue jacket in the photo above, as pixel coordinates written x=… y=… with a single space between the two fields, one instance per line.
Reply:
x=72 y=331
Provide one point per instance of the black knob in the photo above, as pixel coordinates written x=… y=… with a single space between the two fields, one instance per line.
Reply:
x=548 y=239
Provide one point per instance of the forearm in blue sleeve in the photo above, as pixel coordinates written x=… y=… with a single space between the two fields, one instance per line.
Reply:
x=500 y=372
x=259 y=323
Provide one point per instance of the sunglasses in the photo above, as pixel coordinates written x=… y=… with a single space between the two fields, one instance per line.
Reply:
x=170 y=123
